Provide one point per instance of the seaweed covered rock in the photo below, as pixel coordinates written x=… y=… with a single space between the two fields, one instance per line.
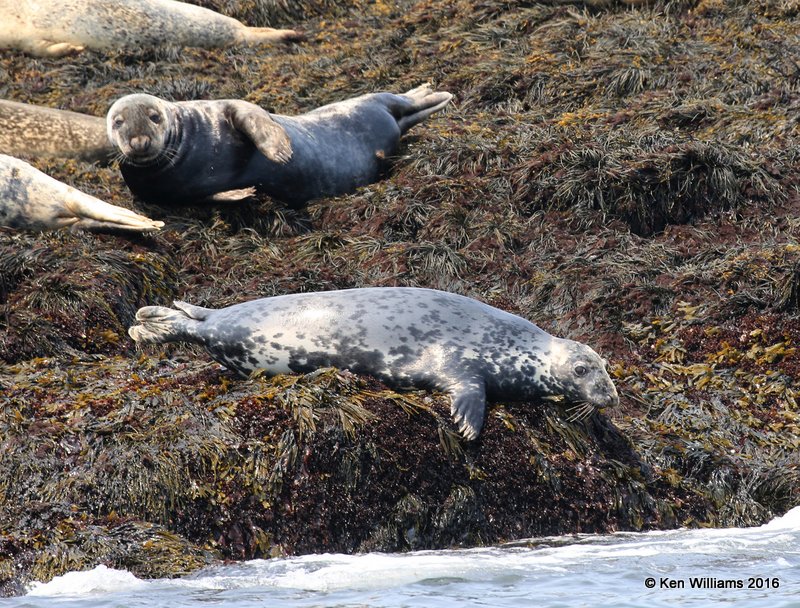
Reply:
x=180 y=463
x=76 y=302
x=621 y=173
x=41 y=540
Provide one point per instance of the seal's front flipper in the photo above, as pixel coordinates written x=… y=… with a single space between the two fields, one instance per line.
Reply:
x=469 y=406
x=258 y=126
x=51 y=48
x=232 y=196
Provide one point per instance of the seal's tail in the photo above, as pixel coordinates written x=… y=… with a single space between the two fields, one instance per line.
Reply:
x=424 y=102
x=158 y=324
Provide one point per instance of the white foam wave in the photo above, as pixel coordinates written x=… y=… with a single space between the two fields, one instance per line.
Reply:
x=375 y=570
x=544 y=557
x=789 y=521
x=98 y=581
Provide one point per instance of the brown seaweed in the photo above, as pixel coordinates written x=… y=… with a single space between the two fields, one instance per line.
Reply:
x=624 y=175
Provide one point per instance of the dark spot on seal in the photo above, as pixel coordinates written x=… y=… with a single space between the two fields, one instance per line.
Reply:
x=486 y=352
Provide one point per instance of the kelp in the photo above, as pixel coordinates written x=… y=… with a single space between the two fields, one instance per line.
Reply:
x=205 y=466
x=624 y=174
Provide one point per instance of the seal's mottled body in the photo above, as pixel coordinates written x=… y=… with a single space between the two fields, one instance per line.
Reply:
x=198 y=149
x=59 y=28
x=32 y=200
x=406 y=337
x=37 y=131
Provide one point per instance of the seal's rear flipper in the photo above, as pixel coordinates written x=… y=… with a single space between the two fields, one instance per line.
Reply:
x=425 y=101
x=85 y=212
x=198 y=313
x=158 y=324
x=469 y=406
x=269 y=35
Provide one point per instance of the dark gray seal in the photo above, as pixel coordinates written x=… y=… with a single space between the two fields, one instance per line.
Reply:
x=406 y=337
x=34 y=131
x=32 y=200
x=54 y=29
x=192 y=151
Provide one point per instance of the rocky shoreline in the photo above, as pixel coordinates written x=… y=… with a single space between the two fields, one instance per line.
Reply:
x=626 y=177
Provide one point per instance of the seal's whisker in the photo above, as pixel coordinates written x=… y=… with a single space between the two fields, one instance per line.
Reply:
x=171 y=156
x=580 y=411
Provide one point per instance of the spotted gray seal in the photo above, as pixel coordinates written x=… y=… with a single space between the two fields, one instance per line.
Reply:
x=191 y=151
x=406 y=337
x=33 y=200
x=36 y=131
x=70 y=26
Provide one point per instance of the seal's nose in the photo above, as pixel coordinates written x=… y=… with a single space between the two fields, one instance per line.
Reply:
x=140 y=143
x=613 y=397
x=608 y=394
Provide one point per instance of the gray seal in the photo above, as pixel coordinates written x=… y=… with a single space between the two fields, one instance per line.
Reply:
x=192 y=151
x=32 y=200
x=32 y=131
x=406 y=337
x=54 y=29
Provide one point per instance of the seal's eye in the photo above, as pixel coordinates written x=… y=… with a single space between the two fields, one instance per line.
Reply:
x=155 y=117
x=581 y=370
x=118 y=122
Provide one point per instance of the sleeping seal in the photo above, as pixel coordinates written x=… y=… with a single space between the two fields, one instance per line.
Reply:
x=191 y=151
x=32 y=200
x=406 y=337
x=54 y=29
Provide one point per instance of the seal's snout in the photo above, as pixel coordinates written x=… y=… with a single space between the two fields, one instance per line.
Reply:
x=140 y=144
x=608 y=395
x=612 y=400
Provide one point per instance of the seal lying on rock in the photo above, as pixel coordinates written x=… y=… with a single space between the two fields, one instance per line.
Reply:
x=30 y=199
x=37 y=131
x=192 y=151
x=406 y=337
x=53 y=29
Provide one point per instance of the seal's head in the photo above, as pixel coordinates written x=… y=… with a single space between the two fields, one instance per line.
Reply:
x=140 y=127
x=581 y=377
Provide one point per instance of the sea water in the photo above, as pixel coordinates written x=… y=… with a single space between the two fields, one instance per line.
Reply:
x=741 y=567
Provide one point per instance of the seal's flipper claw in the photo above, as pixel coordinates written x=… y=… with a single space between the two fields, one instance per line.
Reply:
x=469 y=407
x=258 y=126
